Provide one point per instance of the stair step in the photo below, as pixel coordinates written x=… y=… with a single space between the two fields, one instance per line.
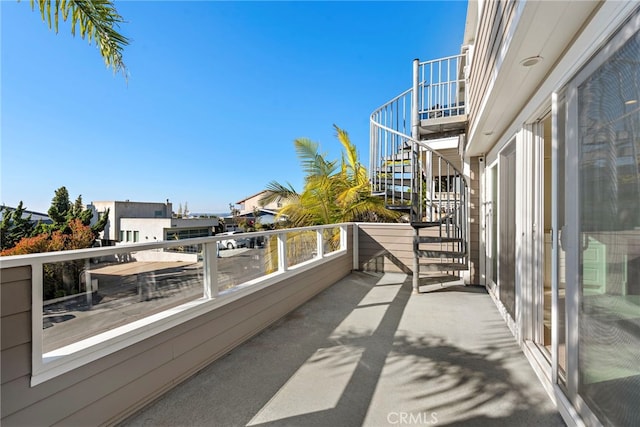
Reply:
x=436 y=239
x=444 y=266
x=401 y=208
x=435 y=279
x=401 y=195
x=397 y=168
x=427 y=224
x=429 y=253
x=395 y=181
x=404 y=155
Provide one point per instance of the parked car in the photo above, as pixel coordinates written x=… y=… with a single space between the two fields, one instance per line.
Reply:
x=233 y=242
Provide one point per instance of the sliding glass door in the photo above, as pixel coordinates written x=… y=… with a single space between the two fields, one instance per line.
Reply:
x=602 y=239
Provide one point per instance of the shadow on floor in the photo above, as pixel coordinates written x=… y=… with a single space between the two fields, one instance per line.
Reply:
x=367 y=352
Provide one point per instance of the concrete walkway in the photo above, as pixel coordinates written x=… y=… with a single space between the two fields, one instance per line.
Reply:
x=367 y=352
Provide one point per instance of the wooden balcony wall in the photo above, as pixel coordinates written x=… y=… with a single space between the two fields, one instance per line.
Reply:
x=388 y=248
x=385 y=247
x=494 y=24
x=109 y=389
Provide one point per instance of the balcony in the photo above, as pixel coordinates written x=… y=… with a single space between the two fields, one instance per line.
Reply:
x=442 y=96
x=434 y=107
x=345 y=347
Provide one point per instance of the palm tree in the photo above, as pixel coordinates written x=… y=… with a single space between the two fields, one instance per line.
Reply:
x=98 y=20
x=333 y=192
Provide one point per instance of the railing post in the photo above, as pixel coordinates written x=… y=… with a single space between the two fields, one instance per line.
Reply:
x=37 y=307
x=415 y=197
x=415 y=134
x=210 y=269
x=87 y=283
x=282 y=252
x=355 y=245
x=415 y=101
x=319 y=243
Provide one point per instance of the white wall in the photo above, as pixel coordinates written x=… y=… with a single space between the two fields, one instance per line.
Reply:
x=150 y=229
x=126 y=209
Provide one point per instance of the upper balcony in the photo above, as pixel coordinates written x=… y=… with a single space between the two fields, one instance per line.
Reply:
x=442 y=96
x=434 y=107
x=140 y=319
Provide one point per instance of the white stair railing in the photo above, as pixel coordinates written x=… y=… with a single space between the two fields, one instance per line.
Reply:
x=405 y=171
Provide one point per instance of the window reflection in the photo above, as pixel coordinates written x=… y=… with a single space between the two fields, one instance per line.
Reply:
x=609 y=323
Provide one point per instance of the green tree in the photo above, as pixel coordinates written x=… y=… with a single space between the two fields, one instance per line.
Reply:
x=62 y=213
x=78 y=211
x=98 y=20
x=14 y=226
x=333 y=191
x=99 y=226
x=60 y=208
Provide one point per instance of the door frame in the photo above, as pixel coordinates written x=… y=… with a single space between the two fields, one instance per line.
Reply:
x=570 y=238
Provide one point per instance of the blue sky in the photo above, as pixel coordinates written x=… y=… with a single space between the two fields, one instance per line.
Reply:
x=216 y=95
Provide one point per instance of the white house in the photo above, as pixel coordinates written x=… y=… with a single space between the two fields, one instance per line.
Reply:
x=133 y=222
x=248 y=204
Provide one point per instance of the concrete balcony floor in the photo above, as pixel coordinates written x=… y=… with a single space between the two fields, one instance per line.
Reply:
x=368 y=352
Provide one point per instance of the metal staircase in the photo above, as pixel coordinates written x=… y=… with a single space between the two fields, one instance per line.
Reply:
x=415 y=178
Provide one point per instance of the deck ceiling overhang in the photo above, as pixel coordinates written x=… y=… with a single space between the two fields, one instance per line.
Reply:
x=544 y=29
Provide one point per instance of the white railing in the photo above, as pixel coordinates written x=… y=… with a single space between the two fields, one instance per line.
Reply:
x=441 y=92
x=90 y=302
x=408 y=173
x=442 y=88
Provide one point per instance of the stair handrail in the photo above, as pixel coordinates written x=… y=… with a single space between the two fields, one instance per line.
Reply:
x=424 y=205
x=414 y=143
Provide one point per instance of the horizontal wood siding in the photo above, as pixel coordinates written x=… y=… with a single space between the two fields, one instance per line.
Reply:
x=494 y=24
x=114 y=387
x=385 y=248
x=15 y=342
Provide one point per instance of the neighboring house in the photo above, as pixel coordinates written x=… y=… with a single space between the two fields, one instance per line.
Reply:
x=251 y=208
x=540 y=200
x=264 y=217
x=247 y=205
x=134 y=222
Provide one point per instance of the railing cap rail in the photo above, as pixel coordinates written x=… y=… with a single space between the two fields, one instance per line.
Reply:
x=60 y=256
x=446 y=58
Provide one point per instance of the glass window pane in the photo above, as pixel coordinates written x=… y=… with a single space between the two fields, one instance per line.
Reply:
x=609 y=323
x=301 y=247
x=85 y=297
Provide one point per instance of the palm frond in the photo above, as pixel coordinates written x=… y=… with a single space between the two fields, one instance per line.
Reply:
x=98 y=20
x=276 y=191
x=313 y=163
x=331 y=194
x=349 y=148
x=370 y=210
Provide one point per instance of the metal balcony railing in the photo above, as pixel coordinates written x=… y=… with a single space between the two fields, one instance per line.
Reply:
x=408 y=173
x=441 y=87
